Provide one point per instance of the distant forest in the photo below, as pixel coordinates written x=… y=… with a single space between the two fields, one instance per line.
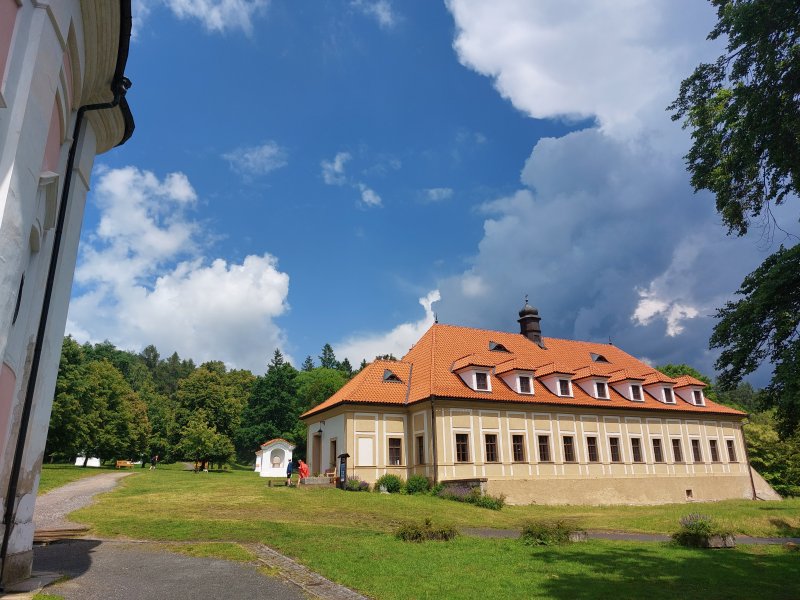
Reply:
x=116 y=404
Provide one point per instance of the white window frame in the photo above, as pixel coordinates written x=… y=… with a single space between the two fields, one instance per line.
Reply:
x=569 y=387
x=698 y=398
x=475 y=381
x=530 y=384
x=668 y=398
x=597 y=390
x=641 y=392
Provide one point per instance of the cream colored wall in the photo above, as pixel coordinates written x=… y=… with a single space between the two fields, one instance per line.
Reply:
x=579 y=481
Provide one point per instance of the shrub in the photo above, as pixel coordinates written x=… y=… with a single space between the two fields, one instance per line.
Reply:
x=392 y=483
x=696 y=530
x=471 y=495
x=417 y=484
x=492 y=502
x=354 y=484
x=415 y=532
x=547 y=533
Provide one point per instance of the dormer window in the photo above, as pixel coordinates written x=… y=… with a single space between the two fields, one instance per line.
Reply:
x=525 y=385
x=390 y=376
x=669 y=398
x=481 y=381
x=564 y=387
x=636 y=392
x=598 y=358
x=697 y=396
x=601 y=389
x=497 y=347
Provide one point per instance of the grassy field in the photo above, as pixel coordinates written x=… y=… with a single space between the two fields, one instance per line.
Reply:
x=347 y=537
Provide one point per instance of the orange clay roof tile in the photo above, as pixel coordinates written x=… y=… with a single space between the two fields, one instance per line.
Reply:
x=428 y=370
x=278 y=440
x=687 y=380
x=654 y=376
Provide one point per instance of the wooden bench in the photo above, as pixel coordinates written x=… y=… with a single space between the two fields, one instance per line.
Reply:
x=124 y=463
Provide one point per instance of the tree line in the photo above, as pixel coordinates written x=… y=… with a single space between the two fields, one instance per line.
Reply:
x=117 y=404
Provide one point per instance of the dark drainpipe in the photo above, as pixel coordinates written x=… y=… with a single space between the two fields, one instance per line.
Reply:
x=433 y=434
x=119 y=87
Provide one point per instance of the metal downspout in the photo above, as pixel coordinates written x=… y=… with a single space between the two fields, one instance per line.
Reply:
x=433 y=432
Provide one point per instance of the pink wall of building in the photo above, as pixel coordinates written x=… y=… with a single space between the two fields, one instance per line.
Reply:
x=8 y=16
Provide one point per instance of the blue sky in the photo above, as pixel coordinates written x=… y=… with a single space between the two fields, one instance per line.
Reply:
x=312 y=172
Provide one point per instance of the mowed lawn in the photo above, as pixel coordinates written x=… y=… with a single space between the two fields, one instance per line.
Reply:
x=347 y=537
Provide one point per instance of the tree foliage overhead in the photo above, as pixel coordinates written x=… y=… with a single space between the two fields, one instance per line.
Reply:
x=744 y=114
x=765 y=325
x=743 y=110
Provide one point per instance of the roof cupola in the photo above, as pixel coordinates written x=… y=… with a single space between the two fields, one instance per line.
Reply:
x=529 y=326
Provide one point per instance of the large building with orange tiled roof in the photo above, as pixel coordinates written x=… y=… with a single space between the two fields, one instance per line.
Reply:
x=538 y=419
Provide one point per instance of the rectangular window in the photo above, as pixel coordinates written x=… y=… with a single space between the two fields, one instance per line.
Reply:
x=395 y=451
x=333 y=454
x=613 y=445
x=677 y=450
x=636 y=449
x=668 y=397
x=481 y=381
x=697 y=454
x=658 y=451
x=544 y=448
x=731 y=450
x=524 y=385
x=569 y=448
x=420 y=450
x=698 y=397
x=462 y=447
x=563 y=387
x=490 y=442
x=712 y=445
x=518 y=447
x=636 y=392
x=601 y=388
x=591 y=447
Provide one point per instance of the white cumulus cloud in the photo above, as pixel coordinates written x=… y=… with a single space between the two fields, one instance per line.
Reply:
x=216 y=16
x=380 y=10
x=333 y=173
x=144 y=278
x=368 y=196
x=252 y=161
x=397 y=341
x=439 y=194
x=333 y=170
x=605 y=233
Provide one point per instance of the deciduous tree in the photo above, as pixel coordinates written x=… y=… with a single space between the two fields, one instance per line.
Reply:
x=744 y=115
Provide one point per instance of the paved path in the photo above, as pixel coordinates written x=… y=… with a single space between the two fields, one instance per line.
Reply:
x=128 y=570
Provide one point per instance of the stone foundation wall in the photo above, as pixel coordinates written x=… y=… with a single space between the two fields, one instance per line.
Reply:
x=623 y=490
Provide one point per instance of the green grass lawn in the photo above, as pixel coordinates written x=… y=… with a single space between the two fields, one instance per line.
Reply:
x=347 y=537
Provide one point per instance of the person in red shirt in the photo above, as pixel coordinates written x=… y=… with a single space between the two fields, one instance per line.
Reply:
x=302 y=470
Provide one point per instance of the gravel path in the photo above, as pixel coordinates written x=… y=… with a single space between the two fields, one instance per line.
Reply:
x=53 y=507
x=116 y=570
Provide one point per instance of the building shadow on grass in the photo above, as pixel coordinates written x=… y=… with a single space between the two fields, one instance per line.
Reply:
x=647 y=571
